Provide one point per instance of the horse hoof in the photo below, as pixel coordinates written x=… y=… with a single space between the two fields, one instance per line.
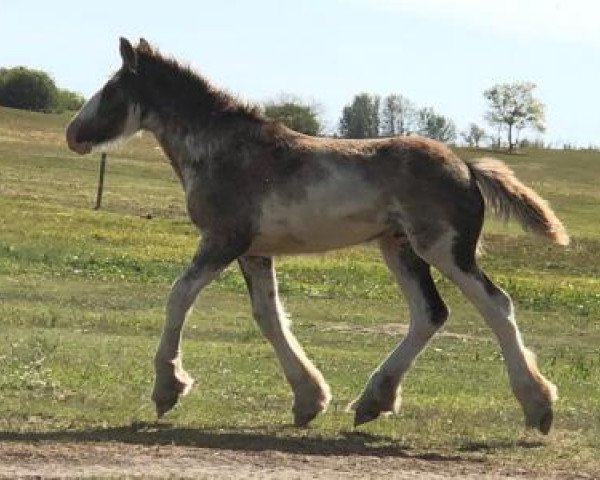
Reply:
x=541 y=422
x=370 y=406
x=302 y=419
x=165 y=405
x=309 y=402
x=364 y=411
x=304 y=413
x=364 y=416
x=545 y=422
x=165 y=398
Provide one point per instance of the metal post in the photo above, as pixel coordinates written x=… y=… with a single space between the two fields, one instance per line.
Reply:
x=100 y=181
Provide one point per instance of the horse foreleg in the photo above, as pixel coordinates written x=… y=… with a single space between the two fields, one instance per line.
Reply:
x=171 y=380
x=311 y=392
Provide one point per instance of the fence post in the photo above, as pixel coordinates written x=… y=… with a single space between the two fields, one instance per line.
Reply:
x=100 y=181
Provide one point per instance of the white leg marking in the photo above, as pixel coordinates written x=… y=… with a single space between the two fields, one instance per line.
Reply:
x=182 y=295
x=534 y=392
x=311 y=392
x=171 y=379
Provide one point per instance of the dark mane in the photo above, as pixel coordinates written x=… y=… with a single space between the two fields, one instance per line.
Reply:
x=176 y=90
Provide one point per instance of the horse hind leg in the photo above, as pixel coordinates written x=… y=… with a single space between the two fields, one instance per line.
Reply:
x=454 y=256
x=427 y=314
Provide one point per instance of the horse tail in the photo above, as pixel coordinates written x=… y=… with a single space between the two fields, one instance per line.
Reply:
x=508 y=197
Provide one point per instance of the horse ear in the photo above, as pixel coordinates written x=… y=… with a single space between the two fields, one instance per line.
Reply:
x=128 y=55
x=144 y=46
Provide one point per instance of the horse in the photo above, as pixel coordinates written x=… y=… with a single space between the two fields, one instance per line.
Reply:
x=256 y=189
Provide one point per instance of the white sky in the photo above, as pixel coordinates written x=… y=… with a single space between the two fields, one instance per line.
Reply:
x=438 y=53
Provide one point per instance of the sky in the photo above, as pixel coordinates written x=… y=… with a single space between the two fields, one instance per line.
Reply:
x=438 y=53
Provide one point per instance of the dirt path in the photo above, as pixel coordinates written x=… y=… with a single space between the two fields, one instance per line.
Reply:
x=51 y=459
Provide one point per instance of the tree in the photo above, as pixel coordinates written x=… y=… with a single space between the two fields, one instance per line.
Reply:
x=432 y=125
x=398 y=115
x=360 y=119
x=473 y=135
x=27 y=89
x=513 y=106
x=294 y=114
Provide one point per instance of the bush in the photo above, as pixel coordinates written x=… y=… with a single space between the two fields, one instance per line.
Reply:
x=28 y=89
x=66 y=100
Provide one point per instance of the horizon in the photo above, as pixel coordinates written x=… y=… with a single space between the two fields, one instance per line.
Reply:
x=437 y=53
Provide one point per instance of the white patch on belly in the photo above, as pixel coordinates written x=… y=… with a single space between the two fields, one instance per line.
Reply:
x=338 y=211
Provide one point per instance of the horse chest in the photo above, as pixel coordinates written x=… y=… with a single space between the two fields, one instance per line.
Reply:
x=208 y=208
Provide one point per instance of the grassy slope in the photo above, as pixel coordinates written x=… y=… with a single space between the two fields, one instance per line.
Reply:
x=82 y=295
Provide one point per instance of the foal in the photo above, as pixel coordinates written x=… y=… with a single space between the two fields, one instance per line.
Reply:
x=256 y=189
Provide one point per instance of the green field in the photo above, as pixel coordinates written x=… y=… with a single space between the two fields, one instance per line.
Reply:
x=82 y=295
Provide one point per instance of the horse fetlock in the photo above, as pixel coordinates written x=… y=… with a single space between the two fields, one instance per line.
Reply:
x=310 y=400
x=169 y=385
x=381 y=396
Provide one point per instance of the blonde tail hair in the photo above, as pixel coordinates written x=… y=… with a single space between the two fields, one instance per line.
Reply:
x=509 y=198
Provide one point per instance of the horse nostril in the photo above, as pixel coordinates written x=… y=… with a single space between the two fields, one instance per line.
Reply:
x=77 y=147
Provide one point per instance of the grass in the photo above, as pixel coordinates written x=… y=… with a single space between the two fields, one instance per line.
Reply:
x=82 y=297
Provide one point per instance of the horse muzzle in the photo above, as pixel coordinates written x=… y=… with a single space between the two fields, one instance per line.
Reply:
x=78 y=147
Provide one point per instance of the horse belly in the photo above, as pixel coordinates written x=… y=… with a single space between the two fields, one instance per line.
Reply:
x=317 y=226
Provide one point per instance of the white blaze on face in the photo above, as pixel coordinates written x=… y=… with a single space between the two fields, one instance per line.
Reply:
x=89 y=109
x=86 y=114
x=89 y=113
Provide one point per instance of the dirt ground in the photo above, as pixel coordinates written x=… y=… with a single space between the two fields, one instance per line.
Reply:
x=52 y=459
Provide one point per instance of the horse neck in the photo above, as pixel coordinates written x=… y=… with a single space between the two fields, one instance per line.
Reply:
x=193 y=122
x=190 y=145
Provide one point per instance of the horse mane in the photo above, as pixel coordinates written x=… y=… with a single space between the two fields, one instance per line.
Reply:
x=178 y=89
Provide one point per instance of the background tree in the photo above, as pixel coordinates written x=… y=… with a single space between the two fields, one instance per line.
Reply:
x=513 y=106
x=473 y=135
x=398 y=115
x=27 y=89
x=360 y=119
x=433 y=125
x=295 y=114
